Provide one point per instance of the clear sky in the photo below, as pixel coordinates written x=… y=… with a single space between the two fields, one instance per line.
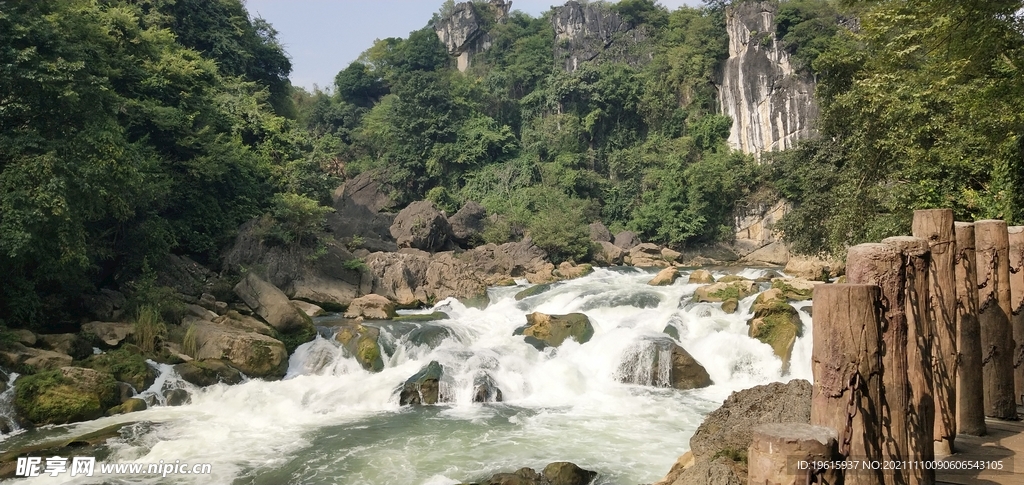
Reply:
x=323 y=36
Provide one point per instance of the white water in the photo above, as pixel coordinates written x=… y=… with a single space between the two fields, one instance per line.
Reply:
x=330 y=421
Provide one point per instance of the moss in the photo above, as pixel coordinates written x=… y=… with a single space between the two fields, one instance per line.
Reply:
x=51 y=398
x=731 y=278
x=124 y=365
x=260 y=356
x=791 y=292
x=293 y=339
x=727 y=293
x=368 y=354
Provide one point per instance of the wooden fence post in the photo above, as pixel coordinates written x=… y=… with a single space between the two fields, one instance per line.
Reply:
x=991 y=247
x=936 y=226
x=1016 y=250
x=846 y=362
x=969 y=389
x=777 y=449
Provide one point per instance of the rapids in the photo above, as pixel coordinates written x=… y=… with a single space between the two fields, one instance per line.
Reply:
x=329 y=421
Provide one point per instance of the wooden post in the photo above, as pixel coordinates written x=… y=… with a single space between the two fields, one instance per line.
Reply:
x=920 y=418
x=970 y=399
x=936 y=226
x=777 y=448
x=991 y=242
x=845 y=363
x=1016 y=250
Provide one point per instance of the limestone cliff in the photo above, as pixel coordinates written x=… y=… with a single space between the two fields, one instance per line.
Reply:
x=593 y=32
x=463 y=30
x=772 y=105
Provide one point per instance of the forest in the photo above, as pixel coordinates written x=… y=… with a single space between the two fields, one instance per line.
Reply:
x=133 y=129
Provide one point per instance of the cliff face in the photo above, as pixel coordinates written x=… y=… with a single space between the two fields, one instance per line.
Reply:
x=772 y=106
x=594 y=32
x=463 y=32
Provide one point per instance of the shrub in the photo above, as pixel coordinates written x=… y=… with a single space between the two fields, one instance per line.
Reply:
x=149 y=329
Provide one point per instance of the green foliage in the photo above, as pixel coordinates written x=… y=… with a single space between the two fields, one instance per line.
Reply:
x=294 y=219
x=188 y=343
x=806 y=29
x=148 y=330
x=355 y=265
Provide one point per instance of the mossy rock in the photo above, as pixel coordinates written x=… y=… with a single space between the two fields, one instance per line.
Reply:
x=67 y=395
x=479 y=301
x=533 y=291
x=671 y=331
x=430 y=335
x=506 y=282
x=205 y=373
x=296 y=336
x=422 y=317
x=777 y=324
x=360 y=341
x=719 y=292
x=731 y=278
x=423 y=387
x=126 y=364
x=544 y=330
x=793 y=288
x=130 y=406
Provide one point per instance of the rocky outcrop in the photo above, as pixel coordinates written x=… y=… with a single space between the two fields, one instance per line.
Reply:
x=608 y=254
x=359 y=216
x=371 y=307
x=757 y=241
x=587 y=32
x=328 y=278
x=105 y=305
x=627 y=240
x=17 y=355
x=558 y=473
x=110 y=334
x=647 y=255
x=771 y=104
x=775 y=323
x=544 y=330
x=420 y=278
x=468 y=225
x=208 y=372
x=422 y=226
x=718 y=449
x=462 y=30
x=599 y=233
x=813 y=268
x=521 y=259
x=485 y=390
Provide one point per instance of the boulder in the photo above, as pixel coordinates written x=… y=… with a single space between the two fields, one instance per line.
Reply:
x=254 y=354
x=413 y=280
x=430 y=335
x=200 y=312
x=67 y=395
x=241 y=322
x=205 y=373
x=599 y=233
x=311 y=310
x=670 y=255
x=66 y=343
x=812 y=268
x=24 y=337
x=730 y=305
x=646 y=255
x=719 y=445
x=565 y=473
x=720 y=291
x=109 y=334
x=423 y=387
x=177 y=397
x=665 y=277
x=544 y=330
x=358 y=213
x=185 y=276
x=328 y=275
x=17 y=355
x=360 y=341
x=775 y=323
x=775 y=254
x=794 y=288
x=105 y=305
x=130 y=405
x=271 y=304
x=533 y=291
x=514 y=259
x=485 y=390
x=468 y=225
x=701 y=276
x=371 y=307
x=609 y=254
x=626 y=240
x=422 y=226
x=568 y=271
x=126 y=365
x=683 y=371
x=422 y=317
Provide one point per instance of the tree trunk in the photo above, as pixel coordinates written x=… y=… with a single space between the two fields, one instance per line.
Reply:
x=936 y=226
x=1016 y=250
x=776 y=447
x=970 y=394
x=847 y=373
x=991 y=242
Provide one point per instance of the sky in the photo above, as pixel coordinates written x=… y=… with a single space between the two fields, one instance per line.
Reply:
x=322 y=37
